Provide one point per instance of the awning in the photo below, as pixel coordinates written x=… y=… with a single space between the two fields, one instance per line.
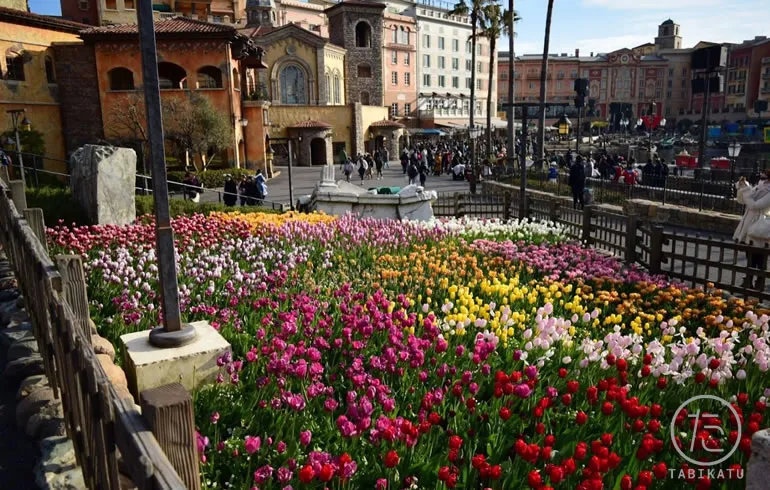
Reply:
x=425 y=132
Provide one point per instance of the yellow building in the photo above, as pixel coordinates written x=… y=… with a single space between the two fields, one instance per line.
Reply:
x=28 y=75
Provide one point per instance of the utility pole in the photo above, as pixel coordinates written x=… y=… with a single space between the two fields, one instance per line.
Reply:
x=511 y=96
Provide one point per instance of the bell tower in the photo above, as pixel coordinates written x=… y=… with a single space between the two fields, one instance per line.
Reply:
x=261 y=13
x=668 y=36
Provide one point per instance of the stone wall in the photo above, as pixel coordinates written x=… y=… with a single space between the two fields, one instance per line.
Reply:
x=342 y=28
x=685 y=217
x=81 y=112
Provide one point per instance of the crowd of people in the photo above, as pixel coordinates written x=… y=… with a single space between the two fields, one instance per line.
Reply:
x=251 y=190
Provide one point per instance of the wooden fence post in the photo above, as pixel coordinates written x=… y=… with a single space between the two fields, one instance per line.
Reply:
x=506 y=205
x=656 y=249
x=587 y=225
x=36 y=221
x=457 y=204
x=18 y=195
x=523 y=205
x=631 y=228
x=74 y=289
x=168 y=411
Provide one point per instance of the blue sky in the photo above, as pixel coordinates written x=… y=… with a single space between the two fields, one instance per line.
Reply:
x=606 y=25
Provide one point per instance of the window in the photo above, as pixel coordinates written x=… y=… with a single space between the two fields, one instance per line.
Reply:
x=407 y=109
x=83 y=4
x=441 y=62
x=479 y=67
x=237 y=80
x=394 y=78
x=407 y=79
x=395 y=35
x=670 y=83
x=478 y=50
x=684 y=71
x=50 y=74
x=394 y=58
x=503 y=76
x=455 y=64
x=293 y=88
x=364 y=71
x=337 y=89
x=404 y=35
x=468 y=47
x=121 y=79
x=426 y=41
x=455 y=82
x=668 y=94
x=209 y=77
x=173 y=77
x=426 y=80
x=440 y=43
x=363 y=35
x=468 y=65
x=479 y=85
x=128 y=4
x=328 y=80
x=558 y=85
x=364 y=98
x=14 y=67
x=217 y=19
x=531 y=85
x=455 y=45
x=111 y=4
x=467 y=83
x=406 y=59
x=426 y=60
x=441 y=81
x=394 y=109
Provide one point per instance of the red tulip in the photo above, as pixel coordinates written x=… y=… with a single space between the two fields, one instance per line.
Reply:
x=306 y=474
x=581 y=418
x=391 y=459
x=533 y=479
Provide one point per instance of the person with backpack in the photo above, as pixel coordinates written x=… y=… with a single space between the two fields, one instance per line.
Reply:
x=404 y=160
x=348 y=169
x=423 y=170
x=231 y=191
x=261 y=184
x=577 y=181
x=412 y=173
x=362 y=168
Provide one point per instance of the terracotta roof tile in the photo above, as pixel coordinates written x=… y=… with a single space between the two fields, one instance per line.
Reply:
x=310 y=124
x=386 y=124
x=36 y=20
x=170 y=26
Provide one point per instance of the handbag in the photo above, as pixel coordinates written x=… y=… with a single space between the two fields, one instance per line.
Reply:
x=759 y=231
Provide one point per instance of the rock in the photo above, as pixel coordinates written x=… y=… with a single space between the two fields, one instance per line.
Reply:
x=33 y=383
x=50 y=412
x=51 y=428
x=20 y=302
x=19 y=369
x=22 y=348
x=125 y=482
x=93 y=327
x=116 y=375
x=32 y=404
x=759 y=463
x=14 y=318
x=56 y=455
x=103 y=180
x=123 y=393
x=14 y=334
x=9 y=295
x=103 y=346
x=68 y=480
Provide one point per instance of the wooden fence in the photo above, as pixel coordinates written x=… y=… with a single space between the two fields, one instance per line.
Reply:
x=101 y=425
x=697 y=261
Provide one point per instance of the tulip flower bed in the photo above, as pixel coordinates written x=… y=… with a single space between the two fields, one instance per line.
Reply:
x=462 y=354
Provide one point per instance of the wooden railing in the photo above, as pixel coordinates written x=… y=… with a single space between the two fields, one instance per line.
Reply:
x=100 y=424
x=694 y=260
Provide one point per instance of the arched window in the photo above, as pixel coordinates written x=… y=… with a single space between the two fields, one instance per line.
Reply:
x=209 y=77
x=363 y=35
x=395 y=34
x=121 y=79
x=364 y=71
x=50 y=74
x=14 y=67
x=174 y=77
x=337 y=89
x=293 y=89
x=328 y=81
x=404 y=33
x=364 y=98
x=236 y=79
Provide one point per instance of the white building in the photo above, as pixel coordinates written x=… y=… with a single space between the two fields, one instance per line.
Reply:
x=444 y=65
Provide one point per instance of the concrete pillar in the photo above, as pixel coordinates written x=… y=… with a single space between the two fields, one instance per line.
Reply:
x=357 y=131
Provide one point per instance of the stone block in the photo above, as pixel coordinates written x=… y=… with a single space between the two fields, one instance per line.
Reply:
x=103 y=182
x=191 y=365
x=57 y=455
x=13 y=334
x=19 y=369
x=33 y=383
x=51 y=412
x=103 y=346
x=758 y=468
x=32 y=404
x=23 y=348
x=116 y=375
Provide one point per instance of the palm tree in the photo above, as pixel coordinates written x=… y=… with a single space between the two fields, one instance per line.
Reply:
x=473 y=9
x=543 y=73
x=494 y=22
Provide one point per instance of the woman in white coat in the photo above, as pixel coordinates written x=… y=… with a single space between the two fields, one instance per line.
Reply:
x=757 y=201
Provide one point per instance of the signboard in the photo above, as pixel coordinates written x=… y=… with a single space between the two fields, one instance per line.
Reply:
x=767 y=135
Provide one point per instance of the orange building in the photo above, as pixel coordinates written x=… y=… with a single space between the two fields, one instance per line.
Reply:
x=210 y=59
x=399 y=70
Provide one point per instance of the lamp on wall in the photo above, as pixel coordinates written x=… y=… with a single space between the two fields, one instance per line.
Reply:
x=244 y=122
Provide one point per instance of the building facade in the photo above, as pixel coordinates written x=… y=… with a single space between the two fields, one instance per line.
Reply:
x=29 y=78
x=106 y=12
x=399 y=66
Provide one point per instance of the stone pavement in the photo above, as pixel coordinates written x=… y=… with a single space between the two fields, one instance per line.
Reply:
x=304 y=180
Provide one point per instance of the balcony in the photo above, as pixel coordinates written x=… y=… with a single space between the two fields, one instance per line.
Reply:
x=766 y=60
x=766 y=75
x=765 y=90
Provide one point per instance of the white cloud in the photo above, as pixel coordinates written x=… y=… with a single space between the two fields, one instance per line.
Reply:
x=649 y=4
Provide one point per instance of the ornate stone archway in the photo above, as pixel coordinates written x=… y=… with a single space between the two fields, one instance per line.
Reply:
x=308 y=132
x=390 y=132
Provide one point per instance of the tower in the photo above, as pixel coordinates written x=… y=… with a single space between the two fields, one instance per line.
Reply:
x=261 y=13
x=668 y=36
x=357 y=26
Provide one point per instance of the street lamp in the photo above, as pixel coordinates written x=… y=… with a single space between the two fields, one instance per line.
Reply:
x=24 y=125
x=474 y=133
x=733 y=149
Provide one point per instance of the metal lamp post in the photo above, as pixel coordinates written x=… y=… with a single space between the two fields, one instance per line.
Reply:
x=16 y=114
x=474 y=133
x=244 y=123
x=733 y=149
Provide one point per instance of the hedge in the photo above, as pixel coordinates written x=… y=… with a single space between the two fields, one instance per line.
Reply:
x=57 y=204
x=211 y=179
x=181 y=207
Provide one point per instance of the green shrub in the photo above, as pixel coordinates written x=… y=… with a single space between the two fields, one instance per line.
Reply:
x=57 y=204
x=211 y=179
x=181 y=207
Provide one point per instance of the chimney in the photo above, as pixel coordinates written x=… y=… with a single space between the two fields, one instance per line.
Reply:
x=577 y=53
x=592 y=54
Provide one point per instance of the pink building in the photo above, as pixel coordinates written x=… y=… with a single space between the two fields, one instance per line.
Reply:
x=399 y=62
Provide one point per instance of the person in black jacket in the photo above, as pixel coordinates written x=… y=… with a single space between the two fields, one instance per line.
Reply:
x=231 y=191
x=577 y=181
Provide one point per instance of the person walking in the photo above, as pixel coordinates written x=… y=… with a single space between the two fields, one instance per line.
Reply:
x=231 y=191
x=385 y=154
x=412 y=173
x=378 y=164
x=261 y=184
x=577 y=181
x=754 y=227
x=404 y=160
x=348 y=169
x=362 y=168
x=243 y=191
x=423 y=170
